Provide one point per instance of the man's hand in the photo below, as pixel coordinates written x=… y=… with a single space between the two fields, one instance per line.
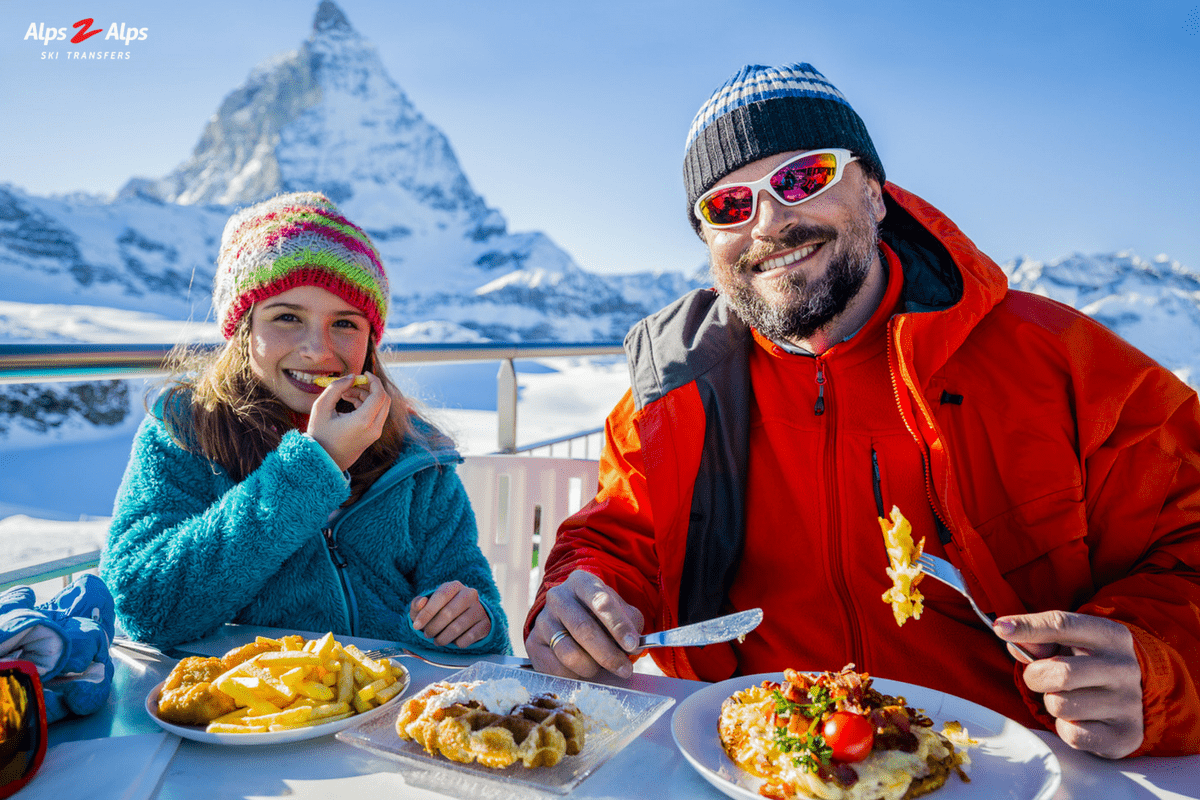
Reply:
x=453 y=613
x=1088 y=673
x=601 y=630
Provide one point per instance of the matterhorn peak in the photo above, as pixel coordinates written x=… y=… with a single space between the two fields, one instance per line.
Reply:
x=330 y=18
x=327 y=117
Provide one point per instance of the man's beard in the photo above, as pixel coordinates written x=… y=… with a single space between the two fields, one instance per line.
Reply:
x=806 y=306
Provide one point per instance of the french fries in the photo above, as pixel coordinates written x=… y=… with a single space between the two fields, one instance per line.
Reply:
x=297 y=683
x=325 y=380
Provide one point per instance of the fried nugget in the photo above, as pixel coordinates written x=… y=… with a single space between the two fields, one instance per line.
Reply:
x=189 y=698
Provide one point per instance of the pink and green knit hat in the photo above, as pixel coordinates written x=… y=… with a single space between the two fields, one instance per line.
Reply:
x=293 y=240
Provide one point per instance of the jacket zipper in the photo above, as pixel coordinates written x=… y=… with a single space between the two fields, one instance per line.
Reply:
x=340 y=563
x=838 y=557
x=819 y=407
x=893 y=357
x=329 y=532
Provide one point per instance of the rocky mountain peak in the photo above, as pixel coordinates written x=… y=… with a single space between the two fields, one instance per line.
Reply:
x=328 y=117
x=330 y=18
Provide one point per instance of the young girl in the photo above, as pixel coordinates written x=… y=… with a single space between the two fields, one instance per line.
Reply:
x=254 y=494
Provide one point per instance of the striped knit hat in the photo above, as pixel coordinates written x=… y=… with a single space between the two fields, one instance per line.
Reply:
x=762 y=111
x=295 y=240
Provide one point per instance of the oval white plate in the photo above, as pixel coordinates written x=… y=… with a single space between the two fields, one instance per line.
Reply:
x=198 y=734
x=1009 y=761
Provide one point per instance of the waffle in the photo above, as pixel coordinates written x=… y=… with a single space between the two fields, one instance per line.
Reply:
x=537 y=731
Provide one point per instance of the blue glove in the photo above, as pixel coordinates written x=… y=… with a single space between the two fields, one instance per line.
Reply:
x=67 y=639
x=26 y=634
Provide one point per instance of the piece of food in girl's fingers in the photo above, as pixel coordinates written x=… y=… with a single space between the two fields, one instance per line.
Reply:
x=325 y=380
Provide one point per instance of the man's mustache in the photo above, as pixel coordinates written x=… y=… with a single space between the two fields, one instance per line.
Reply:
x=763 y=249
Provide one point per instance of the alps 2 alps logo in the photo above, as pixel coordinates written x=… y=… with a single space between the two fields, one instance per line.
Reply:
x=83 y=30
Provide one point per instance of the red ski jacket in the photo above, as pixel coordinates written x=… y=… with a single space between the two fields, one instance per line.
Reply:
x=1057 y=466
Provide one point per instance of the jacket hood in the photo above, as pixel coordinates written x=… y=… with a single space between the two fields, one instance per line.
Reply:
x=944 y=272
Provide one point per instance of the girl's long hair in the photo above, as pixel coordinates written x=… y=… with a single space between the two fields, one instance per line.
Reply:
x=215 y=406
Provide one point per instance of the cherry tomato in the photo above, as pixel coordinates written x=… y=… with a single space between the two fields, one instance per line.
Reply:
x=849 y=735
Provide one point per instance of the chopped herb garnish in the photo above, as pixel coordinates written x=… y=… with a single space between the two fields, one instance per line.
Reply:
x=819 y=703
x=783 y=706
x=811 y=748
x=816 y=751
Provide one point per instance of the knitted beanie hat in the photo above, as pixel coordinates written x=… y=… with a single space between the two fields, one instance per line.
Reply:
x=295 y=240
x=762 y=111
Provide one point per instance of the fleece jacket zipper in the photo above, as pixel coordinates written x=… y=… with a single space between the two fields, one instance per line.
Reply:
x=397 y=473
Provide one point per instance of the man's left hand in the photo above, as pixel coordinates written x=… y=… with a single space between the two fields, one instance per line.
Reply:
x=1088 y=674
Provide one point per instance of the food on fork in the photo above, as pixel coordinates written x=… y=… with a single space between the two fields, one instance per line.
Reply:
x=325 y=380
x=274 y=685
x=833 y=736
x=495 y=723
x=906 y=599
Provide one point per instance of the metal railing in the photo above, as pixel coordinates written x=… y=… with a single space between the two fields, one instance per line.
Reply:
x=43 y=363
x=65 y=568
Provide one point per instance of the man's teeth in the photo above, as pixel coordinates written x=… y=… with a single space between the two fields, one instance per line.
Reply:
x=787 y=258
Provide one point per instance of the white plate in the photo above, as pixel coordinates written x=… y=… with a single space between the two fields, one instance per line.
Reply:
x=1009 y=762
x=197 y=733
x=378 y=735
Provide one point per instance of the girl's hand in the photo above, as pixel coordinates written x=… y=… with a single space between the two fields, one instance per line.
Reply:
x=346 y=435
x=453 y=613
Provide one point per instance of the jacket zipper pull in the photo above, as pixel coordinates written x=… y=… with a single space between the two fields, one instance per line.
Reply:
x=336 y=553
x=819 y=408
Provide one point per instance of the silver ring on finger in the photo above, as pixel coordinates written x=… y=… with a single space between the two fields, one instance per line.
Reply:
x=558 y=637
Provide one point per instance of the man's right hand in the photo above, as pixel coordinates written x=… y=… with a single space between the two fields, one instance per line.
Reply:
x=601 y=630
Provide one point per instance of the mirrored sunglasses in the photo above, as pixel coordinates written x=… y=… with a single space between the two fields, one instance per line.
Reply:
x=798 y=179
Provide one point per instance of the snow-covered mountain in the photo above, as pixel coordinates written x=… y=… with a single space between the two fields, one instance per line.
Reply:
x=327 y=117
x=1153 y=304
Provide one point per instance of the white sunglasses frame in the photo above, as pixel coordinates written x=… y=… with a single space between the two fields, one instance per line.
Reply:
x=843 y=157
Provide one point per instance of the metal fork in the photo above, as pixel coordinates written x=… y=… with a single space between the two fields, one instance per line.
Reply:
x=942 y=570
x=394 y=652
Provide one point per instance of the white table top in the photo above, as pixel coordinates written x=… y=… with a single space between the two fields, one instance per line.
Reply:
x=329 y=769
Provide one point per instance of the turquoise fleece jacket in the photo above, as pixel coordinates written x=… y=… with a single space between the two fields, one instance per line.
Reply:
x=189 y=549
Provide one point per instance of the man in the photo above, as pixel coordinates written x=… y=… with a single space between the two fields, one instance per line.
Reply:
x=859 y=353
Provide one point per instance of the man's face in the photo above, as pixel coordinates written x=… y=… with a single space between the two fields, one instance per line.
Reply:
x=790 y=270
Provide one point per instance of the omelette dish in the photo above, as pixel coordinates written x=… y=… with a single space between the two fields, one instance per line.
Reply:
x=495 y=723
x=833 y=736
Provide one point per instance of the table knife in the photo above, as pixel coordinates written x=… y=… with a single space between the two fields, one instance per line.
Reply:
x=711 y=631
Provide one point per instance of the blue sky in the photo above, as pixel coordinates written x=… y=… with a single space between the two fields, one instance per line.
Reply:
x=1041 y=128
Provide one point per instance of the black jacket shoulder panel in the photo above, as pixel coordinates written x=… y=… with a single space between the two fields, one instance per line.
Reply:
x=681 y=343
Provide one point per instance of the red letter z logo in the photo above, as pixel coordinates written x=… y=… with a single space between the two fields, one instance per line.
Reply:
x=84 y=33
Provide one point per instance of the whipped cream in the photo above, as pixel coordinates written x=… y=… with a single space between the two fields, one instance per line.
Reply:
x=600 y=706
x=498 y=696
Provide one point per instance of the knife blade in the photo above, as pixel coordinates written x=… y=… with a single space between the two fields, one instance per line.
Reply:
x=711 y=631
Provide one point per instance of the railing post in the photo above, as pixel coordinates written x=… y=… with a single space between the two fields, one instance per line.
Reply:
x=506 y=406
